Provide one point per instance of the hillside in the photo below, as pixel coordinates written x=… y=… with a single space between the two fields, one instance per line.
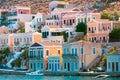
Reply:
x=40 y=5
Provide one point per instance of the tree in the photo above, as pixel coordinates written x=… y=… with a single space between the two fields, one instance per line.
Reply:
x=113 y=15
x=21 y=24
x=22 y=30
x=81 y=27
x=39 y=30
x=105 y=14
x=114 y=35
x=16 y=63
x=64 y=36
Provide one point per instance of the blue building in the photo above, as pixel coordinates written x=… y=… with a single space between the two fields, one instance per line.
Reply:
x=70 y=58
x=54 y=63
x=36 y=59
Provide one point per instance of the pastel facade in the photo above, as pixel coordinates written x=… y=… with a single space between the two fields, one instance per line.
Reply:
x=113 y=63
x=5 y=30
x=69 y=20
x=82 y=54
x=83 y=17
x=98 y=30
x=57 y=4
x=28 y=28
x=56 y=39
x=70 y=58
x=20 y=40
x=55 y=31
x=54 y=63
x=18 y=13
x=72 y=19
x=36 y=57
x=3 y=13
x=50 y=51
x=57 y=14
x=4 y=41
x=37 y=22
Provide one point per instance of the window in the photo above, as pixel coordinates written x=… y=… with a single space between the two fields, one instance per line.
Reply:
x=113 y=66
x=38 y=65
x=72 y=50
x=109 y=65
x=64 y=21
x=41 y=65
x=65 y=51
x=76 y=65
x=76 y=51
x=94 y=50
x=64 y=65
x=117 y=66
x=31 y=65
x=58 y=66
x=73 y=21
x=49 y=66
x=59 y=52
x=82 y=51
x=103 y=51
x=47 y=52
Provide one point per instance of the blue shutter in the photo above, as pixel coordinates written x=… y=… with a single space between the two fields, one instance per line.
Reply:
x=64 y=50
x=81 y=50
x=76 y=51
x=73 y=51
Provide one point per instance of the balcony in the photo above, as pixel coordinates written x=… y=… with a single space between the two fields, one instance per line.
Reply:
x=69 y=55
x=35 y=57
x=91 y=31
x=52 y=19
x=12 y=14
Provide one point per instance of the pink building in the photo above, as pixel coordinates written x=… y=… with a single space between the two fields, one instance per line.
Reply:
x=56 y=16
x=98 y=30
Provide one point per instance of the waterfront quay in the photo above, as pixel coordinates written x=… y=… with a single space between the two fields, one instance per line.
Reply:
x=61 y=73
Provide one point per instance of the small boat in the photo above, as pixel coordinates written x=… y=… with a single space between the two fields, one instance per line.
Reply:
x=102 y=76
x=35 y=73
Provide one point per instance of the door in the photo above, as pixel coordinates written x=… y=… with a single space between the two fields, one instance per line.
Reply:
x=68 y=66
x=55 y=67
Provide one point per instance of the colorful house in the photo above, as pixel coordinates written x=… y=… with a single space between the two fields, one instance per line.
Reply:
x=54 y=63
x=70 y=58
x=98 y=30
x=113 y=62
x=19 y=40
x=50 y=51
x=18 y=13
x=57 y=4
x=80 y=55
x=36 y=57
x=57 y=14
x=38 y=21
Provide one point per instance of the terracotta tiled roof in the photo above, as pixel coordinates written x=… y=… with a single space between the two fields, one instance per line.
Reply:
x=35 y=44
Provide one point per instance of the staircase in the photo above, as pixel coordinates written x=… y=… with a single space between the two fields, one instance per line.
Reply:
x=95 y=62
x=16 y=56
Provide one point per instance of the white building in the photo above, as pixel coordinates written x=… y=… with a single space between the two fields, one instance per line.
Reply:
x=18 y=13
